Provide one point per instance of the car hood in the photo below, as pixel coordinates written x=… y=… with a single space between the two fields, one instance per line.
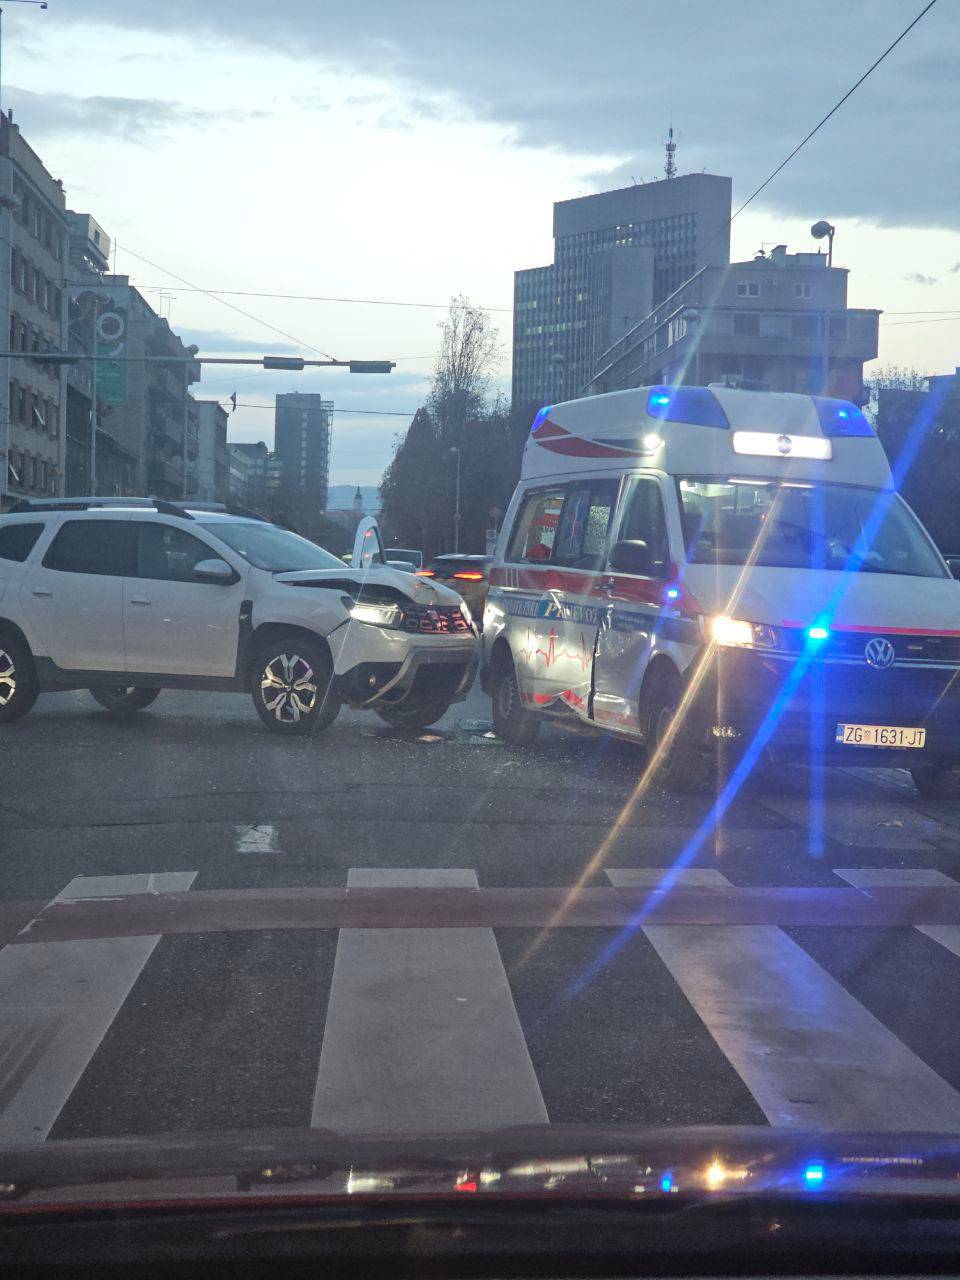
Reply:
x=353 y=581
x=862 y=601
x=567 y=1162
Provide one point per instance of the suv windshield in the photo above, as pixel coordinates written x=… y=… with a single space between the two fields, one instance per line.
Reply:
x=266 y=546
x=802 y=526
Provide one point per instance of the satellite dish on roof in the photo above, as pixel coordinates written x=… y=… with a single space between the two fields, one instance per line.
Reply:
x=821 y=229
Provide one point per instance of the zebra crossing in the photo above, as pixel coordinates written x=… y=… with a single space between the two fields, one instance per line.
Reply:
x=421 y=1028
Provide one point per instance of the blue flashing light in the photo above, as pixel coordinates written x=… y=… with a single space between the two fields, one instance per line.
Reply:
x=818 y=633
x=696 y=406
x=666 y=1183
x=541 y=417
x=841 y=418
x=672 y=593
x=813 y=1175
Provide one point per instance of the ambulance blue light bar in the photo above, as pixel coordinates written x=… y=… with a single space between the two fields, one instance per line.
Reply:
x=696 y=406
x=841 y=418
x=541 y=417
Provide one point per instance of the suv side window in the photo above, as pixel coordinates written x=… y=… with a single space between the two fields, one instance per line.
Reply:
x=644 y=521
x=582 y=535
x=18 y=540
x=92 y=546
x=168 y=553
x=536 y=526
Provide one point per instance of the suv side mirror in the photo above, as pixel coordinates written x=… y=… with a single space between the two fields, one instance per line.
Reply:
x=215 y=571
x=953 y=564
x=632 y=556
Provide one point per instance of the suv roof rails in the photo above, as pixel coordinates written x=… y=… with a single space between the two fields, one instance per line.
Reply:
x=180 y=509
x=92 y=502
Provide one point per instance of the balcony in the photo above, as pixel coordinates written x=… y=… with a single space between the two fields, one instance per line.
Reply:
x=161 y=473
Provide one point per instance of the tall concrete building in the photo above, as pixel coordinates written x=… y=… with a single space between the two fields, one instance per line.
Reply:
x=779 y=322
x=302 y=426
x=213 y=460
x=616 y=255
x=33 y=318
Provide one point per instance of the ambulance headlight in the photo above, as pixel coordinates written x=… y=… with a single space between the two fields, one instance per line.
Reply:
x=735 y=633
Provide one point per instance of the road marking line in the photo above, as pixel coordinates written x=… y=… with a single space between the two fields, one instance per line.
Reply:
x=684 y=878
x=259 y=839
x=422 y=1035
x=948 y=935
x=58 y=1000
x=811 y=1055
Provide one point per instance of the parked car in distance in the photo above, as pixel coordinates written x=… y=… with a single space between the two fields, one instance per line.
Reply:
x=409 y=554
x=467 y=575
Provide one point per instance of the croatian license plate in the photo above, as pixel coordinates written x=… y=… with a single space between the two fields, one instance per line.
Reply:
x=879 y=735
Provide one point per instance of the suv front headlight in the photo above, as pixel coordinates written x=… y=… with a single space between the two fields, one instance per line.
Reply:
x=736 y=633
x=377 y=615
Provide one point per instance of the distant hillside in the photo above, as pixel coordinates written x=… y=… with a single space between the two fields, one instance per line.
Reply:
x=340 y=497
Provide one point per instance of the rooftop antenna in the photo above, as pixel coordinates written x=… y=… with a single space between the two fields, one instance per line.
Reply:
x=670 y=168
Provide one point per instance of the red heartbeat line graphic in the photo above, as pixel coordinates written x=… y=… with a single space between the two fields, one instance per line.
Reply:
x=550 y=654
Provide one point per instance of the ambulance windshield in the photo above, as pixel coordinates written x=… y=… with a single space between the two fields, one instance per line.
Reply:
x=803 y=526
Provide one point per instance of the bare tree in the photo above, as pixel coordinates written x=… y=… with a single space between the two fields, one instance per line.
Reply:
x=465 y=364
x=893 y=377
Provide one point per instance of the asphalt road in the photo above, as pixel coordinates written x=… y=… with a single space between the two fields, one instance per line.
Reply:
x=532 y=975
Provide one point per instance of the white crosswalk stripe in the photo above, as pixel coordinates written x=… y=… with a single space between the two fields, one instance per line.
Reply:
x=422 y=1034
x=58 y=1000
x=948 y=935
x=811 y=1055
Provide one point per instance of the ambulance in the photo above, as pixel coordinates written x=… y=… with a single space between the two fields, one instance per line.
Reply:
x=736 y=561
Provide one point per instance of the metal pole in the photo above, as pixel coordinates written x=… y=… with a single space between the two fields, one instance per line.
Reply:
x=94 y=415
x=456 y=512
x=186 y=384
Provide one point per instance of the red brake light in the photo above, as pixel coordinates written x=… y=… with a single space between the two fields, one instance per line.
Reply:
x=425 y=573
x=469 y=577
x=466 y=1186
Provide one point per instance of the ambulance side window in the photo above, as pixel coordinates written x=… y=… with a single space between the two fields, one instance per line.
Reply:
x=644 y=521
x=581 y=541
x=535 y=527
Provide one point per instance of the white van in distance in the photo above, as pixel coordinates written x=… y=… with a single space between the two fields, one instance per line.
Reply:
x=737 y=561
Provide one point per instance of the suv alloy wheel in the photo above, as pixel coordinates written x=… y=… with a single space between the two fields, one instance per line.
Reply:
x=18 y=681
x=291 y=686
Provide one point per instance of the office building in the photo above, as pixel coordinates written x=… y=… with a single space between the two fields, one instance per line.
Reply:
x=616 y=255
x=33 y=319
x=251 y=464
x=778 y=322
x=302 y=431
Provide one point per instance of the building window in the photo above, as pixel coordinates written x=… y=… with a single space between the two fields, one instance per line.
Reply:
x=805 y=326
x=746 y=325
x=838 y=326
x=14 y=332
x=55 y=299
x=748 y=289
x=803 y=290
x=36 y=291
x=21 y=404
x=12 y=408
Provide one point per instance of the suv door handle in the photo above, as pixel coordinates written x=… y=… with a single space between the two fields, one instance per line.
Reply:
x=140 y=600
x=42 y=591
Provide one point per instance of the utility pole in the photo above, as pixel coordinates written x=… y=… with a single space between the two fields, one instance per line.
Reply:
x=94 y=415
x=456 y=509
x=186 y=398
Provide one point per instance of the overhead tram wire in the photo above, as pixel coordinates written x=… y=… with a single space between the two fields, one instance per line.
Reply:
x=312 y=297
x=817 y=127
x=210 y=294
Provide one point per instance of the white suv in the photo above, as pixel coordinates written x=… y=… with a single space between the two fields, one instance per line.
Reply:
x=126 y=597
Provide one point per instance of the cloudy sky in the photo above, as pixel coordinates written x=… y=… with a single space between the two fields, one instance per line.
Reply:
x=409 y=150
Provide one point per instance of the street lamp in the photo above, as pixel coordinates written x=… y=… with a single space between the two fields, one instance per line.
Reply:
x=819 y=231
x=456 y=510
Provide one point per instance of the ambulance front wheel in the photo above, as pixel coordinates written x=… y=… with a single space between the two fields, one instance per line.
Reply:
x=511 y=721
x=937 y=782
x=677 y=762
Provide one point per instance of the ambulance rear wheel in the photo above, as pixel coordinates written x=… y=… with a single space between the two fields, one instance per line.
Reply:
x=936 y=781
x=511 y=721
x=678 y=764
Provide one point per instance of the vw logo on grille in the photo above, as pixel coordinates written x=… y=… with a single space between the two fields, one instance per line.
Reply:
x=879 y=653
x=784 y=444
